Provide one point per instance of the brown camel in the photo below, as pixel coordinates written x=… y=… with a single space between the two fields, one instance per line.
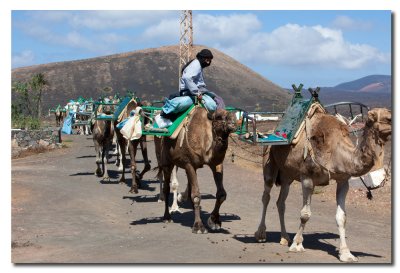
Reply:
x=59 y=117
x=103 y=133
x=132 y=148
x=323 y=151
x=203 y=141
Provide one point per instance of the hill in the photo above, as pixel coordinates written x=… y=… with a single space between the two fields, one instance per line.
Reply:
x=152 y=74
x=373 y=91
x=372 y=83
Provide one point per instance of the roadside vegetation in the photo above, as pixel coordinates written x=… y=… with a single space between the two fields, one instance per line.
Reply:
x=26 y=106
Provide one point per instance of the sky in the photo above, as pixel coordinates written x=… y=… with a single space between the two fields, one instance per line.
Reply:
x=313 y=47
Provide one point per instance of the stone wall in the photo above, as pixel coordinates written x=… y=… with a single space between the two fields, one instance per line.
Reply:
x=22 y=140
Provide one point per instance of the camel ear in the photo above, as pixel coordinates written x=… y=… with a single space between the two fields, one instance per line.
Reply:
x=210 y=115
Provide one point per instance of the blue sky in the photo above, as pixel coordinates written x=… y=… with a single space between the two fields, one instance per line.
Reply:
x=316 y=48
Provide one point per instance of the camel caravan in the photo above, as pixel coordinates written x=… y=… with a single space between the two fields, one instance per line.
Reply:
x=308 y=145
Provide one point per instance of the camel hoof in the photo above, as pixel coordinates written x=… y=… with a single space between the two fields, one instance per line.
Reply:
x=105 y=179
x=261 y=236
x=199 y=229
x=213 y=225
x=174 y=209
x=346 y=257
x=284 y=242
x=296 y=248
x=167 y=221
x=134 y=190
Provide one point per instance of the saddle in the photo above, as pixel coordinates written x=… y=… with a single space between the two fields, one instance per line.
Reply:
x=173 y=130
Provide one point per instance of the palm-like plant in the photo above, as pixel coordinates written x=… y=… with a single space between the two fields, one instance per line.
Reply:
x=38 y=84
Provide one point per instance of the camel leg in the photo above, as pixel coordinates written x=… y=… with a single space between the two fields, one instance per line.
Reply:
x=118 y=160
x=107 y=152
x=341 y=192
x=280 y=203
x=147 y=166
x=104 y=162
x=120 y=153
x=305 y=214
x=122 y=144
x=185 y=195
x=167 y=179
x=158 y=147
x=161 y=196
x=214 y=221
x=174 y=186
x=135 y=179
x=269 y=174
x=115 y=141
x=98 y=158
x=198 y=226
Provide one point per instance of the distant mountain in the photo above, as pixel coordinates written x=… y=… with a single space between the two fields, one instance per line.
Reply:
x=372 y=83
x=153 y=74
x=373 y=91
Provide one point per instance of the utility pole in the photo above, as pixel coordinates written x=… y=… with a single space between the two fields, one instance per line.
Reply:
x=186 y=39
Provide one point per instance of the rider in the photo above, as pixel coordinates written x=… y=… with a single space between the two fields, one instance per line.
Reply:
x=192 y=84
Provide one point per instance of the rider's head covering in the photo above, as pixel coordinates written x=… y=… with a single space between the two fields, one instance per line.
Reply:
x=203 y=55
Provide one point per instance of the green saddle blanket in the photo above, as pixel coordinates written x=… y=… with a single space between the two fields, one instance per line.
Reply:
x=154 y=130
x=287 y=128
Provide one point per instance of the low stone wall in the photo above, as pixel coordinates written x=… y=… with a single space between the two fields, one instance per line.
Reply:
x=22 y=140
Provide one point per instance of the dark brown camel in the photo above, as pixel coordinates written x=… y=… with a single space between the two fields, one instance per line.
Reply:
x=204 y=141
x=103 y=133
x=132 y=148
x=323 y=152
x=59 y=117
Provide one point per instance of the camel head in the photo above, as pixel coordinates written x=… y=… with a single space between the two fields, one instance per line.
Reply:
x=380 y=121
x=224 y=122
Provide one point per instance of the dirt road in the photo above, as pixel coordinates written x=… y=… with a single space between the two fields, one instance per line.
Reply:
x=62 y=213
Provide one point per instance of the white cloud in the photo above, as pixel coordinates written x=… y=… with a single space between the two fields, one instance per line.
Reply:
x=24 y=58
x=217 y=31
x=117 y=19
x=293 y=44
x=234 y=28
x=166 y=30
x=347 y=23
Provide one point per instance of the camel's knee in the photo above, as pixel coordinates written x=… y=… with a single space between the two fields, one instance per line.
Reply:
x=174 y=185
x=266 y=197
x=196 y=200
x=305 y=215
x=340 y=218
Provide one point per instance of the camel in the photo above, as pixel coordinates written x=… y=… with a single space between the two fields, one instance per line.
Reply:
x=203 y=141
x=132 y=148
x=103 y=133
x=323 y=152
x=59 y=117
